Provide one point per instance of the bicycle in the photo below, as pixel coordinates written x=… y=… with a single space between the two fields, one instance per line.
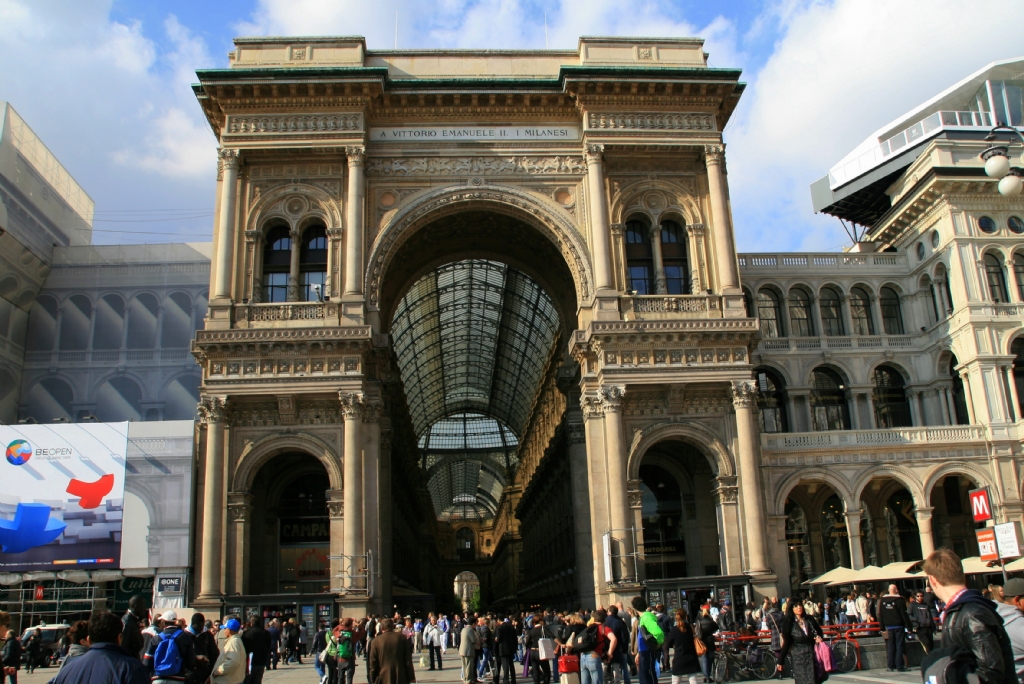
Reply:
x=846 y=649
x=733 y=657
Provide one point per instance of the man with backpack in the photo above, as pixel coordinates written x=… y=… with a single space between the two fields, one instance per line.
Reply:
x=106 y=662
x=346 y=652
x=171 y=656
x=973 y=637
x=257 y=649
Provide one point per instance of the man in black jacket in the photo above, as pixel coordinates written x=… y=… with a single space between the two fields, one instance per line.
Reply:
x=970 y=622
x=506 y=643
x=131 y=626
x=206 y=649
x=257 y=649
x=924 y=624
x=893 y=618
x=621 y=655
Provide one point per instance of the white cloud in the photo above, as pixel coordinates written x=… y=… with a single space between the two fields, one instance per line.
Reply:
x=840 y=71
x=111 y=102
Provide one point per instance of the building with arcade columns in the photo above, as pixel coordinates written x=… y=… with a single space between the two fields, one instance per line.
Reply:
x=478 y=317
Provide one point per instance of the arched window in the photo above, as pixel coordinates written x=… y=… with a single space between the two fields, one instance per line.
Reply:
x=48 y=400
x=831 y=307
x=800 y=313
x=860 y=312
x=961 y=416
x=313 y=262
x=798 y=540
x=834 y=535
x=639 y=259
x=142 y=319
x=108 y=333
x=277 y=256
x=770 y=313
x=933 y=297
x=117 y=399
x=1017 y=349
x=996 y=279
x=1018 y=273
x=828 y=401
x=902 y=534
x=42 y=324
x=75 y=321
x=674 y=258
x=771 y=401
x=464 y=544
x=177 y=330
x=891 y=407
x=892 y=317
x=662 y=508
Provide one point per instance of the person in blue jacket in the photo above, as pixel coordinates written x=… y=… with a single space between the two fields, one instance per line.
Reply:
x=106 y=662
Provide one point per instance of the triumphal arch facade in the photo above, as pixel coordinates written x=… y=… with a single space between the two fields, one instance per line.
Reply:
x=474 y=311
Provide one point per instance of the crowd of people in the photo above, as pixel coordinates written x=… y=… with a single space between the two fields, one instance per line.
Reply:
x=982 y=634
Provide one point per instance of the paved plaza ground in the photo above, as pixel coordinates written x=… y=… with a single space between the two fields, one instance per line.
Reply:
x=305 y=674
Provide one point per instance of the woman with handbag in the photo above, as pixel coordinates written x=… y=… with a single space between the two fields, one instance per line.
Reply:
x=704 y=629
x=686 y=648
x=800 y=632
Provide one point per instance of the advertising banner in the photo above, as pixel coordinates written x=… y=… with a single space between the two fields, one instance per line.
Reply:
x=987 y=549
x=62 y=496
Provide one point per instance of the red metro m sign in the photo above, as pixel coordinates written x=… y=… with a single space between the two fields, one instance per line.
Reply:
x=981 y=505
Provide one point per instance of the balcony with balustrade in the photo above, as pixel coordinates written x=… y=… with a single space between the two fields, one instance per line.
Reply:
x=831 y=263
x=287 y=315
x=670 y=307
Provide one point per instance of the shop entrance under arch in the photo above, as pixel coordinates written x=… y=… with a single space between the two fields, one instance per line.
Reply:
x=285 y=570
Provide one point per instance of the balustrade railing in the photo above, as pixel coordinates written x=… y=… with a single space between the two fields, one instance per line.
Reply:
x=290 y=311
x=672 y=306
x=862 y=342
x=106 y=356
x=826 y=260
x=853 y=438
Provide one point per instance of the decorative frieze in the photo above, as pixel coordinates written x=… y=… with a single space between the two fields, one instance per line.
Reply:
x=293 y=124
x=476 y=166
x=645 y=122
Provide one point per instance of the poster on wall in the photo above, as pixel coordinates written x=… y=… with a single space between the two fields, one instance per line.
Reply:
x=62 y=496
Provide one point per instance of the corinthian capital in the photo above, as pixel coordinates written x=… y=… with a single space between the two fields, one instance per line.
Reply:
x=611 y=398
x=212 y=410
x=352 y=403
x=744 y=393
x=230 y=157
x=592 y=407
x=356 y=155
x=695 y=229
x=714 y=154
x=594 y=152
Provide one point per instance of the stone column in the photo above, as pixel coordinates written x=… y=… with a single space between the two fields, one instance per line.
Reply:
x=240 y=515
x=336 y=511
x=924 y=528
x=593 y=425
x=385 y=515
x=744 y=398
x=352 y=405
x=922 y=416
x=844 y=302
x=599 y=232
x=212 y=414
x=819 y=329
x=854 y=404
x=615 y=455
x=872 y=424
x=876 y=313
x=230 y=163
x=659 y=263
x=725 y=252
x=853 y=519
x=334 y=245
x=727 y=510
x=915 y=419
x=947 y=405
x=293 y=266
x=1014 y=397
x=354 y=221
x=584 y=536
x=698 y=269
x=971 y=414
x=371 y=478
x=945 y=306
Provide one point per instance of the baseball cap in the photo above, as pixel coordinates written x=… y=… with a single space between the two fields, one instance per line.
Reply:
x=1014 y=587
x=169 y=616
x=233 y=624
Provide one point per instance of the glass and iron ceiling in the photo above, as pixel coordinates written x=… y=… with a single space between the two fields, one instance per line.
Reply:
x=473 y=339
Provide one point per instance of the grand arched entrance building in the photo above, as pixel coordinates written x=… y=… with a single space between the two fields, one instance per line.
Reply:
x=474 y=312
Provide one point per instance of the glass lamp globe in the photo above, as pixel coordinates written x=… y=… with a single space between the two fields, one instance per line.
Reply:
x=997 y=166
x=1010 y=185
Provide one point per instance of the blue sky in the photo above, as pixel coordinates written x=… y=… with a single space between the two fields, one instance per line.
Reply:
x=105 y=84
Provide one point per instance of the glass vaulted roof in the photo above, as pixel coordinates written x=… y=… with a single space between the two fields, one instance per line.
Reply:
x=472 y=339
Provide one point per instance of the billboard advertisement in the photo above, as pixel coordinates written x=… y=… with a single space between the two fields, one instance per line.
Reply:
x=62 y=496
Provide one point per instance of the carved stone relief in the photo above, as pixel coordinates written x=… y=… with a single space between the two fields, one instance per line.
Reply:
x=660 y=122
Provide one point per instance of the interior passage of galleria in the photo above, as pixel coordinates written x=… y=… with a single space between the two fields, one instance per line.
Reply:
x=480 y=315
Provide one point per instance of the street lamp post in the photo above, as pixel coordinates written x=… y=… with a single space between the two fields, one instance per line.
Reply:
x=997 y=163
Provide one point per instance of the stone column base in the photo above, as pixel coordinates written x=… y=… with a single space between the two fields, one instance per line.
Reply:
x=353 y=606
x=212 y=607
x=766 y=585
